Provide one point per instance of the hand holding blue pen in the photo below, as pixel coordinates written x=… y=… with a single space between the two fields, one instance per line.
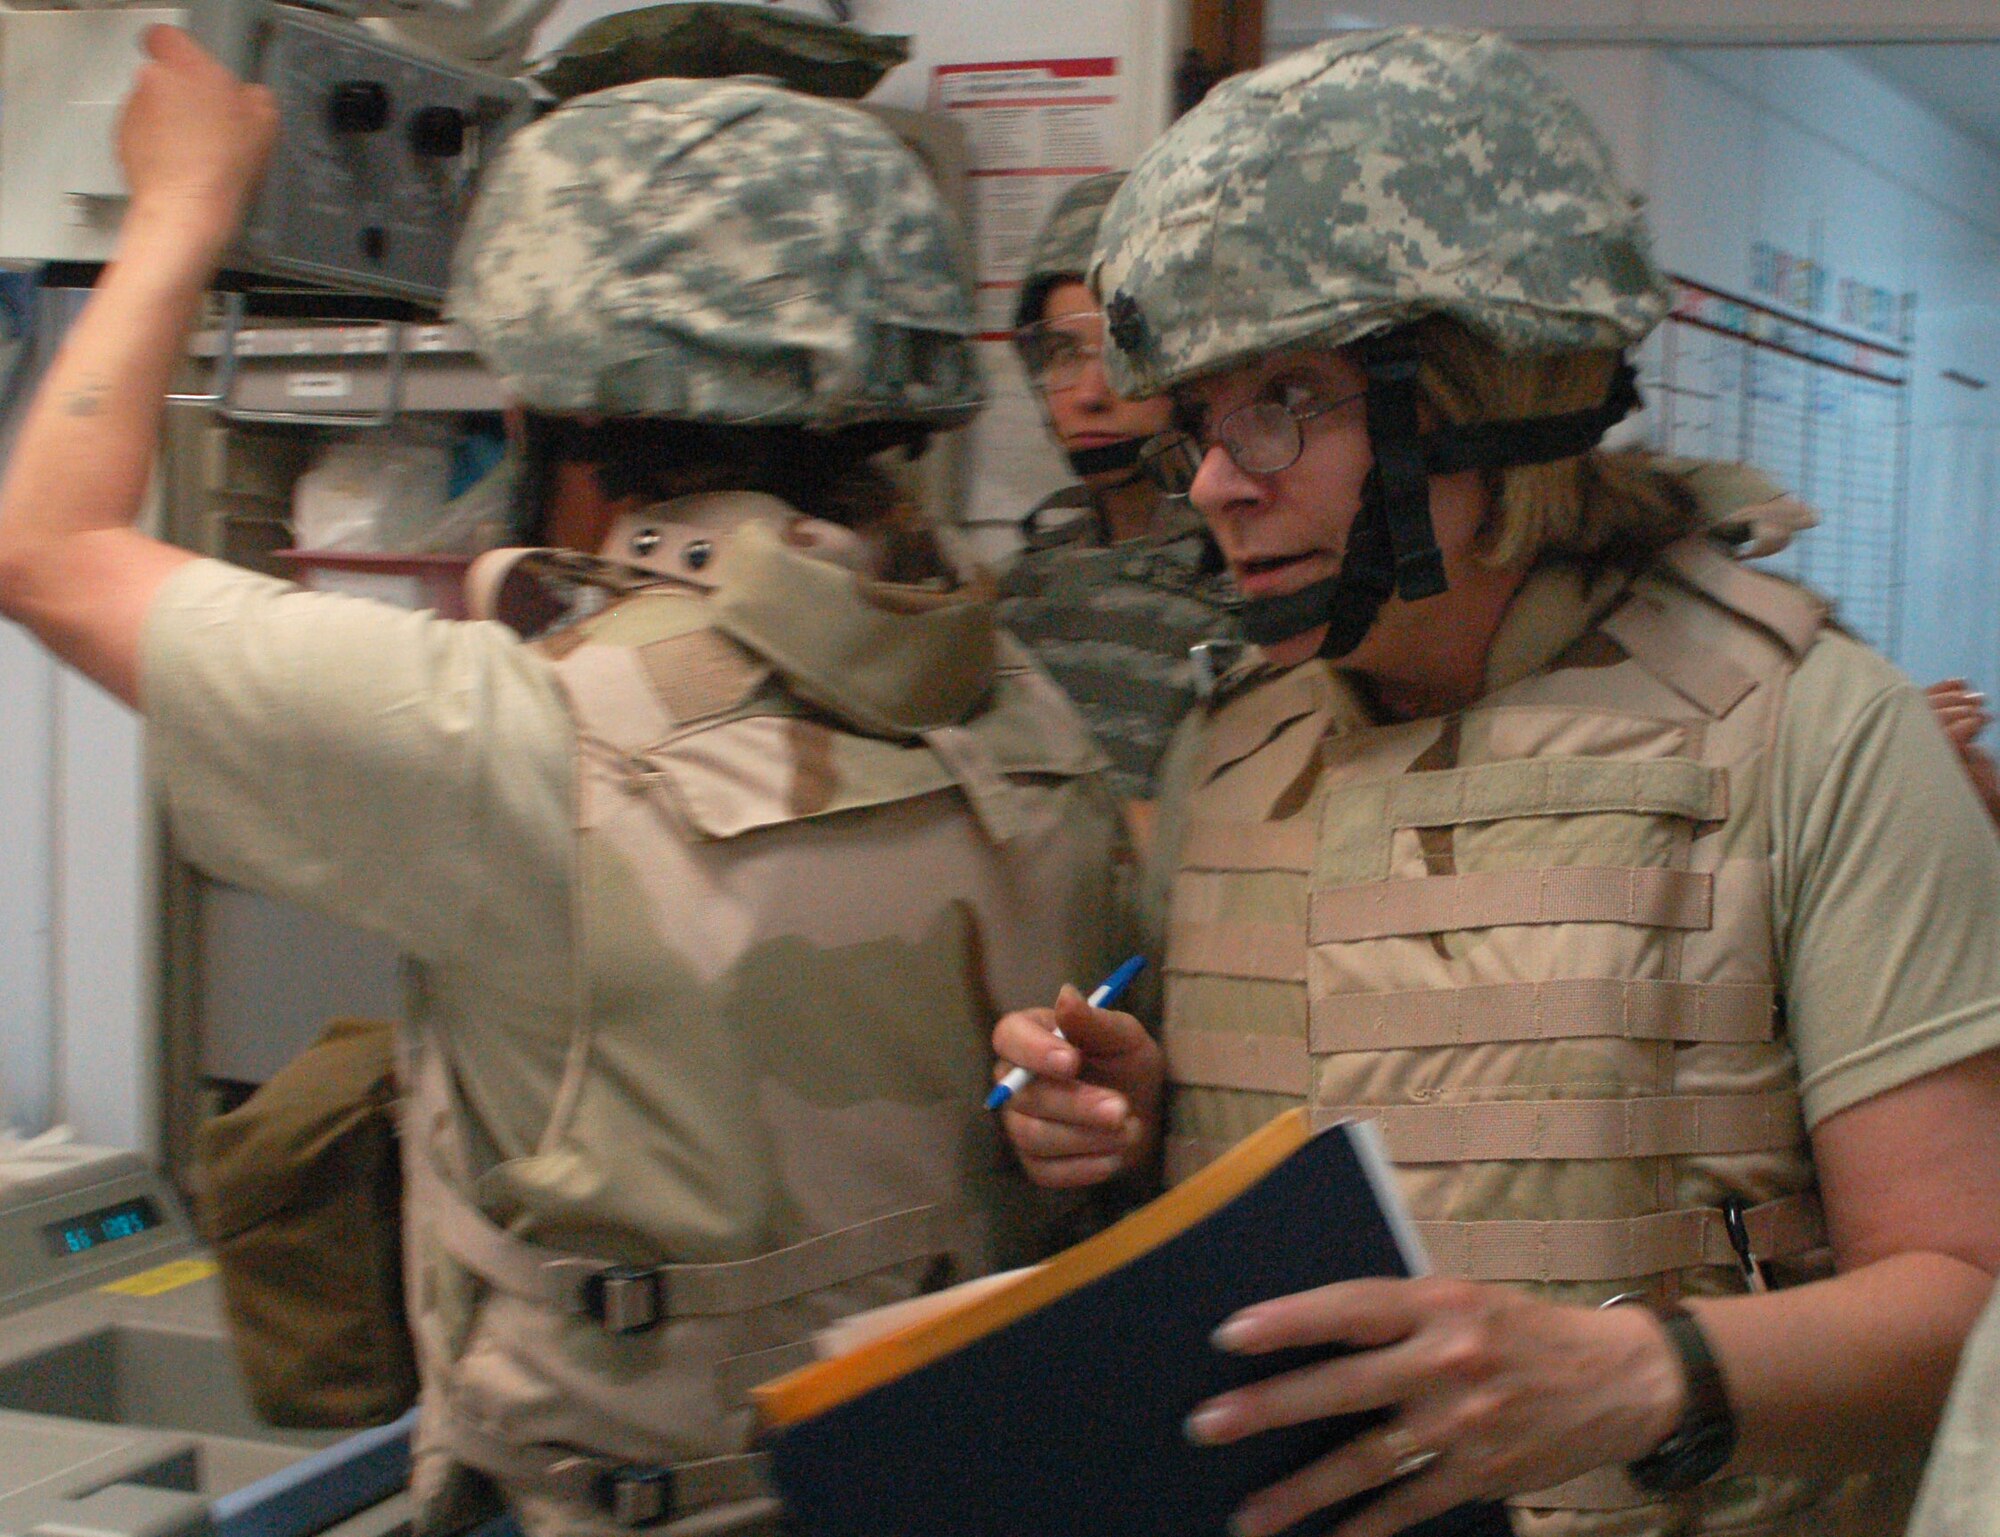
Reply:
x=1107 y=993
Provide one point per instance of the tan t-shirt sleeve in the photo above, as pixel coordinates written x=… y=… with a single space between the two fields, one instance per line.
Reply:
x=387 y=768
x=1886 y=884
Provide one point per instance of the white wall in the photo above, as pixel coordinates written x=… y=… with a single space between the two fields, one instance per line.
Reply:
x=1810 y=152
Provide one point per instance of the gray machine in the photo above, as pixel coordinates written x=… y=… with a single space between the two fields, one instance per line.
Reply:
x=382 y=145
x=121 y=1411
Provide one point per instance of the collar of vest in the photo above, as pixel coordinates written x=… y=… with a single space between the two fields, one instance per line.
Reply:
x=889 y=660
x=1556 y=606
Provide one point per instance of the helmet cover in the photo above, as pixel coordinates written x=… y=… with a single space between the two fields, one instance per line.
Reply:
x=1064 y=243
x=718 y=251
x=1365 y=183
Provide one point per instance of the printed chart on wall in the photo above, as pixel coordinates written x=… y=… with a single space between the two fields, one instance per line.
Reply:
x=1822 y=410
x=1032 y=127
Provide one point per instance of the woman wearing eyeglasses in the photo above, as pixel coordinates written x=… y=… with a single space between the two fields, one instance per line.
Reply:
x=1647 y=912
x=1116 y=582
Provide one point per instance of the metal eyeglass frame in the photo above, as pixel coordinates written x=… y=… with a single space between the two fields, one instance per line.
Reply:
x=1173 y=458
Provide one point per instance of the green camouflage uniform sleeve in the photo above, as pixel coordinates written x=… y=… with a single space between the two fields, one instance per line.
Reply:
x=1113 y=626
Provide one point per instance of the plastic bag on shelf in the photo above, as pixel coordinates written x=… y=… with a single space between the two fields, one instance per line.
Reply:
x=377 y=494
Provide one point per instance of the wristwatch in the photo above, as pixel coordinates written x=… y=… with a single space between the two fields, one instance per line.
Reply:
x=1699 y=1446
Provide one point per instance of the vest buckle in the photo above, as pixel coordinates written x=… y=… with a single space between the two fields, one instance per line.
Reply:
x=635 y=1496
x=625 y=1299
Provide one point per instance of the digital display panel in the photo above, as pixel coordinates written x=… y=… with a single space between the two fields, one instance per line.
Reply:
x=80 y=1234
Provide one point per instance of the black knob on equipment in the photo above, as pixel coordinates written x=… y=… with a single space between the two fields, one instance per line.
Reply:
x=438 y=132
x=358 y=106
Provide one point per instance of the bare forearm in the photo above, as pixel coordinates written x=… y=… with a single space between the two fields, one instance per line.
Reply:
x=85 y=450
x=192 y=140
x=1846 y=1370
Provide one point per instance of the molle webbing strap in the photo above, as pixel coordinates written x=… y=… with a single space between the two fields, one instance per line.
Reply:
x=630 y=1495
x=735 y=1376
x=1267 y=952
x=1526 y=787
x=1663 y=646
x=1789 y=613
x=1286 y=845
x=1573 y=1008
x=1644 y=897
x=562 y=1281
x=1221 y=1059
x=1524 y=1131
x=1619 y=1248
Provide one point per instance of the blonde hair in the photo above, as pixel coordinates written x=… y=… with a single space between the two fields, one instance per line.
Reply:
x=1609 y=506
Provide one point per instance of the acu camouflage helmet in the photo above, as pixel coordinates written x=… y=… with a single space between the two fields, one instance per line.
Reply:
x=1362 y=184
x=718 y=251
x=1064 y=243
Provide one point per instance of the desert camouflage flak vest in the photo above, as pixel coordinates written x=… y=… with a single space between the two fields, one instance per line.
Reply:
x=826 y=829
x=1533 y=940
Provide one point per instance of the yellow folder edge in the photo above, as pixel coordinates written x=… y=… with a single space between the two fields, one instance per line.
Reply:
x=814 y=1389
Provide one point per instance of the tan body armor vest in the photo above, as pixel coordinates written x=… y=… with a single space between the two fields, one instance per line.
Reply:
x=1534 y=941
x=826 y=830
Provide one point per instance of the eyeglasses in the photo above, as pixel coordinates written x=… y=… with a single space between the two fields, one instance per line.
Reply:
x=1056 y=352
x=1262 y=437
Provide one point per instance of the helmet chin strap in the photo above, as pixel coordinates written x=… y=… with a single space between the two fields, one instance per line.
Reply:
x=1122 y=455
x=1392 y=546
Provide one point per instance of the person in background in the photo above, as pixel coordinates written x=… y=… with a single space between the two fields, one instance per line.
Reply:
x=710 y=889
x=1647 y=912
x=1116 y=583
x=1963 y=714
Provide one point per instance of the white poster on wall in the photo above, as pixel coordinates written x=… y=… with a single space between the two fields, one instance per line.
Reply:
x=1032 y=128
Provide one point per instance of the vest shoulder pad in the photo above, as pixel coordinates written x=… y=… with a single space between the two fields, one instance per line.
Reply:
x=1785 y=611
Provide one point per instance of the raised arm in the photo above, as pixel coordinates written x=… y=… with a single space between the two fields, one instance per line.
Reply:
x=193 y=141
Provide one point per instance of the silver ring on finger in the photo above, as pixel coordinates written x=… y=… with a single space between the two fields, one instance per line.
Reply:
x=1408 y=1456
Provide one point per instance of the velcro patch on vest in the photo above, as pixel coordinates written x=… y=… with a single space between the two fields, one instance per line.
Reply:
x=1490 y=792
x=700 y=674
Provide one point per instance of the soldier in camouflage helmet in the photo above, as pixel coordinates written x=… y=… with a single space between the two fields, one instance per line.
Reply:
x=1116 y=583
x=1423 y=860
x=710 y=865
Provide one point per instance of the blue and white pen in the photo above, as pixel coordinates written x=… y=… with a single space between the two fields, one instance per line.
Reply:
x=1108 y=992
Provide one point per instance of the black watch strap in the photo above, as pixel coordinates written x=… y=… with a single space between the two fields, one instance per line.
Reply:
x=1699 y=1447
